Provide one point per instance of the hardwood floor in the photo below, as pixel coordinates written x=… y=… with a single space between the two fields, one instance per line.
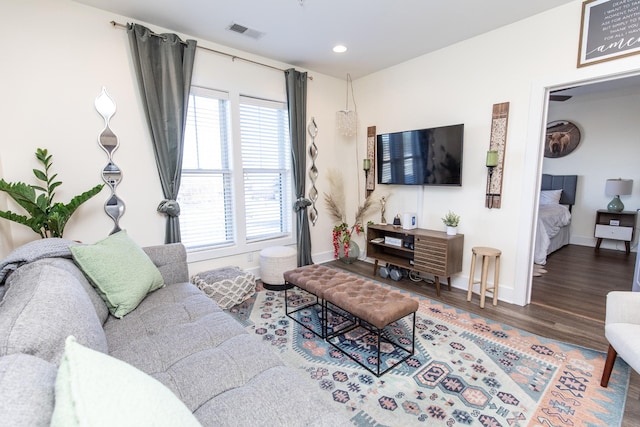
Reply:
x=568 y=302
x=579 y=278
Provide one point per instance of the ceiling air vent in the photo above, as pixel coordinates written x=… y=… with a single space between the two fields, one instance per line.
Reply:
x=241 y=29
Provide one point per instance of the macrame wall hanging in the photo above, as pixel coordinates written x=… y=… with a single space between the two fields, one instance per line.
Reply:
x=347 y=120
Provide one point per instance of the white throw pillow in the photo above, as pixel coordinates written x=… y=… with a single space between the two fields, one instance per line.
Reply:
x=95 y=390
x=550 y=197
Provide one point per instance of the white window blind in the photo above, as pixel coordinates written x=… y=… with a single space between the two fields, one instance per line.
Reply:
x=266 y=163
x=206 y=197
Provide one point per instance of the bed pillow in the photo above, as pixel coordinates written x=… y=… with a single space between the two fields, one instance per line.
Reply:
x=94 y=389
x=550 y=197
x=121 y=271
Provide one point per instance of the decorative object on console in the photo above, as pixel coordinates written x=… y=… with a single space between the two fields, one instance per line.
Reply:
x=498 y=142
x=409 y=221
x=616 y=188
x=562 y=138
x=396 y=221
x=46 y=218
x=313 y=170
x=371 y=155
x=111 y=174
x=347 y=120
x=383 y=208
x=451 y=220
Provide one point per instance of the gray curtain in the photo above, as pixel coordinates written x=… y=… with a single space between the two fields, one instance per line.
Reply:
x=164 y=65
x=297 y=100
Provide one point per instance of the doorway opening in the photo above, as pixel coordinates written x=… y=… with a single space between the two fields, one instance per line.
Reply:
x=578 y=270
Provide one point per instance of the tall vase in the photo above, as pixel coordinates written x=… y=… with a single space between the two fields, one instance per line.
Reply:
x=352 y=254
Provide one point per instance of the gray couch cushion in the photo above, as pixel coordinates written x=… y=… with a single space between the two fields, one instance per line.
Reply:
x=171 y=260
x=223 y=374
x=27 y=386
x=44 y=304
x=171 y=324
x=69 y=266
x=276 y=397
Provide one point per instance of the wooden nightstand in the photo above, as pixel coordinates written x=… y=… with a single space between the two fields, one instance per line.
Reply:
x=615 y=226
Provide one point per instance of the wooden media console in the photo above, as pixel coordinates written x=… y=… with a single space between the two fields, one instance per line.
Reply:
x=420 y=250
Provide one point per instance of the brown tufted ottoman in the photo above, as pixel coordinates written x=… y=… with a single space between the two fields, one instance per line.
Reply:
x=375 y=308
x=313 y=279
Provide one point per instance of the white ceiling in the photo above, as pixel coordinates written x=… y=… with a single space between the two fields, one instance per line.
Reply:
x=377 y=33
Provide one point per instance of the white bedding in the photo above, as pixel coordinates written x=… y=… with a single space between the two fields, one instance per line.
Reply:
x=551 y=218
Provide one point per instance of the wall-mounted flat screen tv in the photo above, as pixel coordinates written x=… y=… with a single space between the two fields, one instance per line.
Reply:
x=421 y=157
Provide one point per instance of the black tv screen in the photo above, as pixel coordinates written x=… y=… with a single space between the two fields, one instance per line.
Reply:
x=421 y=157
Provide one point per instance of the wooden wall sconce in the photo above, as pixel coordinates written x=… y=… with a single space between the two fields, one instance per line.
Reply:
x=370 y=166
x=495 y=155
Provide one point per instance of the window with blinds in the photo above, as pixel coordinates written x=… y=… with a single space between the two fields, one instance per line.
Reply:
x=205 y=197
x=210 y=193
x=266 y=168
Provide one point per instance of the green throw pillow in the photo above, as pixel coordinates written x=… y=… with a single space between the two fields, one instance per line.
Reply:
x=94 y=389
x=120 y=270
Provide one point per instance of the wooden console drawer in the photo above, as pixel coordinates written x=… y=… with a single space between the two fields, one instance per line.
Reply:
x=430 y=255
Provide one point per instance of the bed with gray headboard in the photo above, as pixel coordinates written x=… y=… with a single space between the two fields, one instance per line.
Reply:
x=553 y=231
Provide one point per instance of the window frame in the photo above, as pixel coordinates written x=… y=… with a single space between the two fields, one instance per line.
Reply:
x=240 y=245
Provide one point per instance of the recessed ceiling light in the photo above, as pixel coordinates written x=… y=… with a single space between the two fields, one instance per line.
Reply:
x=339 y=48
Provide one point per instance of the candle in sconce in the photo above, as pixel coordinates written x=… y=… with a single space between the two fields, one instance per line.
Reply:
x=492 y=159
x=366 y=164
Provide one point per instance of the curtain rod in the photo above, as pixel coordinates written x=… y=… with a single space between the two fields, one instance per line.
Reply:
x=233 y=57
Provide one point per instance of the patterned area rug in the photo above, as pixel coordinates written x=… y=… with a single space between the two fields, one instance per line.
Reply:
x=466 y=370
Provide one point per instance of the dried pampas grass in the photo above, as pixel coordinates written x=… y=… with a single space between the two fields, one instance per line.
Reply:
x=335 y=200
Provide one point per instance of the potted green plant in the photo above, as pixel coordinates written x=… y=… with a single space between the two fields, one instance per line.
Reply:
x=45 y=217
x=451 y=220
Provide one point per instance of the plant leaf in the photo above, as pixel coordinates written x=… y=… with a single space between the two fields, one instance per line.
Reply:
x=54 y=185
x=40 y=175
x=58 y=217
x=32 y=223
x=80 y=199
x=23 y=194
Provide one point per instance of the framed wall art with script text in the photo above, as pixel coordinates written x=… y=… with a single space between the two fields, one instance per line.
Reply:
x=609 y=29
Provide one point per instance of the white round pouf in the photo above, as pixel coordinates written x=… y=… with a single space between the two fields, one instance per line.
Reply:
x=274 y=261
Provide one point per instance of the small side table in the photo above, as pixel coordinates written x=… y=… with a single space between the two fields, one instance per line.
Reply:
x=615 y=226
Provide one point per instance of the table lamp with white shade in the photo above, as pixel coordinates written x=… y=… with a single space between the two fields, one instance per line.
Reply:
x=616 y=188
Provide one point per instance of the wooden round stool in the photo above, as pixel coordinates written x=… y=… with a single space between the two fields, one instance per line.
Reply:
x=487 y=255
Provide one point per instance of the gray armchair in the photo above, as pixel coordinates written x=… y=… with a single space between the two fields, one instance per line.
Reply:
x=622 y=329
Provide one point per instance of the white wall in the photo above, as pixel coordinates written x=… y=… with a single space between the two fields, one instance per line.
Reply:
x=460 y=84
x=61 y=54
x=609 y=148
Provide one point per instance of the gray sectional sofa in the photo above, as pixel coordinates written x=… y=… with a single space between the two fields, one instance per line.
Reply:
x=176 y=335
